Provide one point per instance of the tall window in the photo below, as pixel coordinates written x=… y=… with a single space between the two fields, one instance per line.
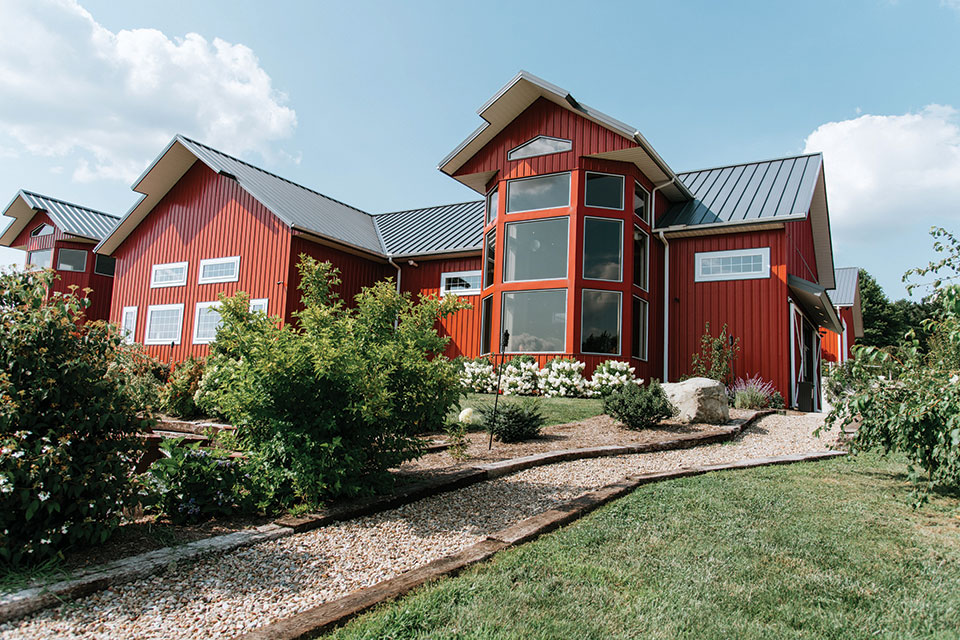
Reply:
x=164 y=324
x=206 y=322
x=72 y=260
x=738 y=264
x=489 y=258
x=542 y=192
x=128 y=324
x=604 y=190
x=41 y=258
x=219 y=270
x=536 y=320
x=486 y=324
x=539 y=146
x=641 y=319
x=493 y=200
x=462 y=283
x=640 y=201
x=171 y=274
x=600 y=322
x=602 y=249
x=536 y=250
x=641 y=258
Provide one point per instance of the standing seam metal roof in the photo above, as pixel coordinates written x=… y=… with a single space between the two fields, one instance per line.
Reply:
x=72 y=218
x=845 y=292
x=440 y=229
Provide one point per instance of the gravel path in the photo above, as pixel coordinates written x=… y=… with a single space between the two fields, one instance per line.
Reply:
x=225 y=595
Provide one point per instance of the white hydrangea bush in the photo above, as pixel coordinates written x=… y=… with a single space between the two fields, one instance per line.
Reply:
x=520 y=378
x=611 y=375
x=563 y=377
x=478 y=376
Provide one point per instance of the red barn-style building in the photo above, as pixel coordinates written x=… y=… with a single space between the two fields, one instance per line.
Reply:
x=838 y=347
x=61 y=236
x=583 y=243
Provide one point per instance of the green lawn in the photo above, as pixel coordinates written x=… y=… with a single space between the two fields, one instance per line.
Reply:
x=555 y=410
x=816 y=550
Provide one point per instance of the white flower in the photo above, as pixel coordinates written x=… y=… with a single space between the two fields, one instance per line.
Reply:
x=43 y=496
x=44 y=540
x=466 y=416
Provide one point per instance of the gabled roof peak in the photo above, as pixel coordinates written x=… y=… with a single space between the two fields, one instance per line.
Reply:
x=72 y=219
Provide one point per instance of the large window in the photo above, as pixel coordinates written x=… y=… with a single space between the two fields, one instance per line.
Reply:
x=539 y=146
x=600 y=322
x=462 y=283
x=171 y=274
x=42 y=258
x=493 y=201
x=604 y=190
x=602 y=249
x=640 y=200
x=641 y=311
x=536 y=320
x=543 y=192
x=219 y=270
x=489 y=258
x=486 y=324
x=72 y=260
x=739 y=264
x=641 y=258
x=206 y=322
x=105 y=265
x=128 y=324
x=164 y=324
x=536 y=250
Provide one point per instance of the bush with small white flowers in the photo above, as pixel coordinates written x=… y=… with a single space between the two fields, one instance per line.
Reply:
x=563 y=377
x=521 y=377
x=612 y=375
x=478 y=375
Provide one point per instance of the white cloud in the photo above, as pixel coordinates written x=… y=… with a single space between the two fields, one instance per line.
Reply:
x=108 y=102
x=891 y=172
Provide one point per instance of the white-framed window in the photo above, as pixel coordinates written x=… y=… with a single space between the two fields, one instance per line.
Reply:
x=170 y=274
x=259 y=304
x=40 y=259
x=641 y=198
x=462 y=283
x=206 y=322
x=641 y=319
x=600 y=322
x=486 y=324
x=536 y=250
x=603 y=191
x=536 y=320
x=540 y=192
x=492 y=202
x=602 y=249
x=540 y=146
x=105 y=265
x=72 y=260
x=164 y=324
x=128 y=324
x=43 y=230
x=738 y=264
x=489 y=257
x=219 y=270
x=641 y=258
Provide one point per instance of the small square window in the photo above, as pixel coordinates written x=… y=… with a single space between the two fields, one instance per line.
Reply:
x=604 y=191
x=40 y=259
x=164 y=324
x=258 y=305
x=72 y=260
x=105 y=265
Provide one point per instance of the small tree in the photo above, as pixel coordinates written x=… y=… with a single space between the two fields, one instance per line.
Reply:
x=716 y=357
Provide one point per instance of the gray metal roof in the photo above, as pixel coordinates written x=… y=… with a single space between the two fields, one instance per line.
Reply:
x=744 y=192
x=72 y=218
x=296 y=205
x=845 y=293
x=442 y=229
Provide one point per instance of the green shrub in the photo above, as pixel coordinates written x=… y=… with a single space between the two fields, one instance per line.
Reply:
x=515 y=421
x=639 y=407
x=177 y=398
x=142 y=375
x=776 y=401
x=716 y=357
x=67 y=422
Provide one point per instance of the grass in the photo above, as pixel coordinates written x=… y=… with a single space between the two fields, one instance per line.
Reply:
x=816 y=550
x=555 y=410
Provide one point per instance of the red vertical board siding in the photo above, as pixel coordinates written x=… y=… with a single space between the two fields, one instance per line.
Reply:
x=356 y=272
x=755 y=311
x=204 y=215
x=801 y=254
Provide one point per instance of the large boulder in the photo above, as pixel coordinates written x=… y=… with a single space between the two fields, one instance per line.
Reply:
x=699 y=400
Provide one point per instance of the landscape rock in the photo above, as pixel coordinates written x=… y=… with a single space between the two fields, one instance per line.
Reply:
x=699 y=400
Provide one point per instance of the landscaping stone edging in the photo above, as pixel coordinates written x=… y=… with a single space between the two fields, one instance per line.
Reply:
x=325 y=617
x=27 y=601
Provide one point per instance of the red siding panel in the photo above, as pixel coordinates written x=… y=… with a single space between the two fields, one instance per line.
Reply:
x=801 y=254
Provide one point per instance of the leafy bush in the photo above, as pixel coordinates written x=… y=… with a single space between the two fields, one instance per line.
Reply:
x=142 y=376
x=639 y=407
x=324 y=409
x=716 y=357
x=177 y=398
x=753 y=393
x=191 y=484
x=563 y=377
x=776 y=401
x=67 y=423
x=611 y=375
x=478 y=375
x=521 y=376
x=515 y=421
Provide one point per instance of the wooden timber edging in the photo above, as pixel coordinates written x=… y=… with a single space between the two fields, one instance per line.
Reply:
x=30 y=600
x=325 y=617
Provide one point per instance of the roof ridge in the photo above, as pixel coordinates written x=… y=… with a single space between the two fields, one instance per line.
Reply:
x=744 y=164
x=270 y=173
x=436 y=206
x=70 y=204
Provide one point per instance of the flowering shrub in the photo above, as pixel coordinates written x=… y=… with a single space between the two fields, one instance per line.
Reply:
x=67 y=422
x=521 y=377
x=753 y=393
x=177 y=398
x=611 y=375
x=478 y=375
x=563 y=377
x=143 y=375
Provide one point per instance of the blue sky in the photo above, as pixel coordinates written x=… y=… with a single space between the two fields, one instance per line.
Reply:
x=362 y=100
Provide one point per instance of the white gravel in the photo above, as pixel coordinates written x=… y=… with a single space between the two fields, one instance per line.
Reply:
x=222 y=596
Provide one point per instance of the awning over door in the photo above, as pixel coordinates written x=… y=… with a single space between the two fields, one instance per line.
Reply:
x=813 y=299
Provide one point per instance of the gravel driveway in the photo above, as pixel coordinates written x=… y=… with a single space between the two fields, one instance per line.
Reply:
x=222 y=596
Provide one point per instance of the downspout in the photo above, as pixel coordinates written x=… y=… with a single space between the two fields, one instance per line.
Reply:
x=666 y=278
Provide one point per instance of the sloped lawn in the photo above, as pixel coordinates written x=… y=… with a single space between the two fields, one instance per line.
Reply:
x=817 y=550
x=555 y=410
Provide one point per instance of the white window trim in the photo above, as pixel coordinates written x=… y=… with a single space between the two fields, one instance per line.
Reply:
x=503 y=294
x=566 y=264
x=646 y=209
x=645 y=289
x=454 y=274
x=209 y=261
x=161 y=285
x=619 y=322
x=506 y=203
x=60 y=252
x=41 y=230
x=583 y=270
x=764 y=252
x=33 y=264
x=128 y=336
x=486 y=247
x=537 y=155
x=265 y=302
x=100 y=273
x=490 y=347
x=196 y=321
x=646 y=325
x=163 y=307
x=487 y=218
x=623 y=186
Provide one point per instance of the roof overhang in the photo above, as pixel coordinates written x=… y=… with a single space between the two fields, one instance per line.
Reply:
x=522 y=91
x=21 y=213
x=822 y=240
x=815 y=302
x=857 y=313
x=346 y=247
x=716 y=228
